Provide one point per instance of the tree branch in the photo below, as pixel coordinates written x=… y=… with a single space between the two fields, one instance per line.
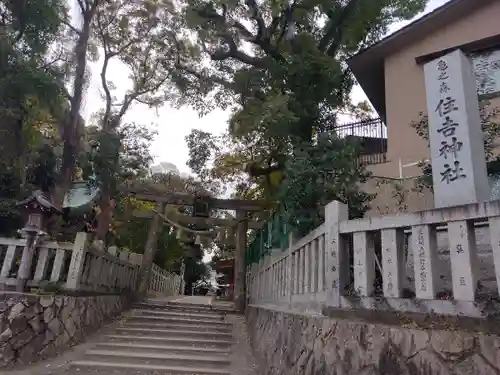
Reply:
x=104 y=70
x=255 y=14
x=193 y=72
x=83 y=5
x=234 y=52
x=221 y=20
x=217 y=80
x=71 y=27
x=263 y=33
x=335 y=28
x=107 y=92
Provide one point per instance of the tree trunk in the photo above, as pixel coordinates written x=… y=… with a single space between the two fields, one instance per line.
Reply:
x=149 y=254
x=65 y=179
x=106 y=215
x=239 y=261
x=71 y=131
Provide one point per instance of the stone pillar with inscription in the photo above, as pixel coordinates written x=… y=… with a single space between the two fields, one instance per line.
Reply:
x=336 y=257
x=455 y=133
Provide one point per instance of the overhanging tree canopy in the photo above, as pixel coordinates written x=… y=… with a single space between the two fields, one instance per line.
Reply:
x=282 y=66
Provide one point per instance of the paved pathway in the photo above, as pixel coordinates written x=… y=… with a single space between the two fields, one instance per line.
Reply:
x=188 y=335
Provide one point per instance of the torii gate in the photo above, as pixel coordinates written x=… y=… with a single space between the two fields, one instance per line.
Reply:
x=242 y=224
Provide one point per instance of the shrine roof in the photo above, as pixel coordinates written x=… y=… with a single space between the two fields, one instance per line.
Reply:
x=39 y=197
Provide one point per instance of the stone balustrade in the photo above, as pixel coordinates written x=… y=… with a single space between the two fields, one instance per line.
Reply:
x=50 y=252
x=163 y=282
x=410 y=262
x=78 y=266
x=294 y=276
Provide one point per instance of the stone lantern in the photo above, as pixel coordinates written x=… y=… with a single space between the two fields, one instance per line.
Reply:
x=37 y=210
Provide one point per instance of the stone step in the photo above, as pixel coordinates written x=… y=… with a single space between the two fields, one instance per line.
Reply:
x=170 y=332
x=124 y=368
x=173 y=306
x=170 y=340
x=204 y=302
x=177 y=326
x=216 y=306
x=159 y=348
x=204 y=316
x=163 y=359
x=179 y=309
x=177 y=320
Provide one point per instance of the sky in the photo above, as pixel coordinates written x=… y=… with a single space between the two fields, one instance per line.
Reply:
x=174 y=124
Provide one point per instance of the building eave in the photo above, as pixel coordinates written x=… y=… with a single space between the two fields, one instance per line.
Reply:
x=368 y=64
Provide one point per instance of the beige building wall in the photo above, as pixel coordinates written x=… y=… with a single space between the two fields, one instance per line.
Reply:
x=405 y=89
x=393 y=195
x=405 y=101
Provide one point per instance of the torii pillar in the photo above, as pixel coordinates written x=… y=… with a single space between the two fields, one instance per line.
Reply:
x=149 y=253
x=239 y=261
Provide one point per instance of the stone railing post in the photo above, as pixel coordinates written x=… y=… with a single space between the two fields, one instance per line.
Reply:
x=136 y=260
x=364 y=263
x=336 y=257
x=393 y=261
x=464 y=260
x=124 y=271
x=77 y=261
x=494 y=222
x=112 y=250
x=424 y=246
x=182 y=283
x=290 y=267
x=262 y=282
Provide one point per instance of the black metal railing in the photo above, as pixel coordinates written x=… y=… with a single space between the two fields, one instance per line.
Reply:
x=370 y=135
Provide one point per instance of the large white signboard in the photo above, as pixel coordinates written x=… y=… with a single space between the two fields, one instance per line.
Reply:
x=455 y=134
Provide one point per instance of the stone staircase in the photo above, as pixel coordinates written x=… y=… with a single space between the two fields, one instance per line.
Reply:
x=165 y=338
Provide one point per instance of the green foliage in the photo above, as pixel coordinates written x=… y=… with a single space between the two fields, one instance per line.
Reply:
x=31 y=25
x=117 y=160
x=201 y=145
x=490 y=123
x=42 y=171
x=319 y=173
x=31 y=98
x=283 y=66
x=131 y=233
x=195 y=270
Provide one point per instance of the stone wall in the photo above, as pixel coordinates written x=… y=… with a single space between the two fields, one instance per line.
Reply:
x=397 y=195
x=33 y=327
x=287 y=343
